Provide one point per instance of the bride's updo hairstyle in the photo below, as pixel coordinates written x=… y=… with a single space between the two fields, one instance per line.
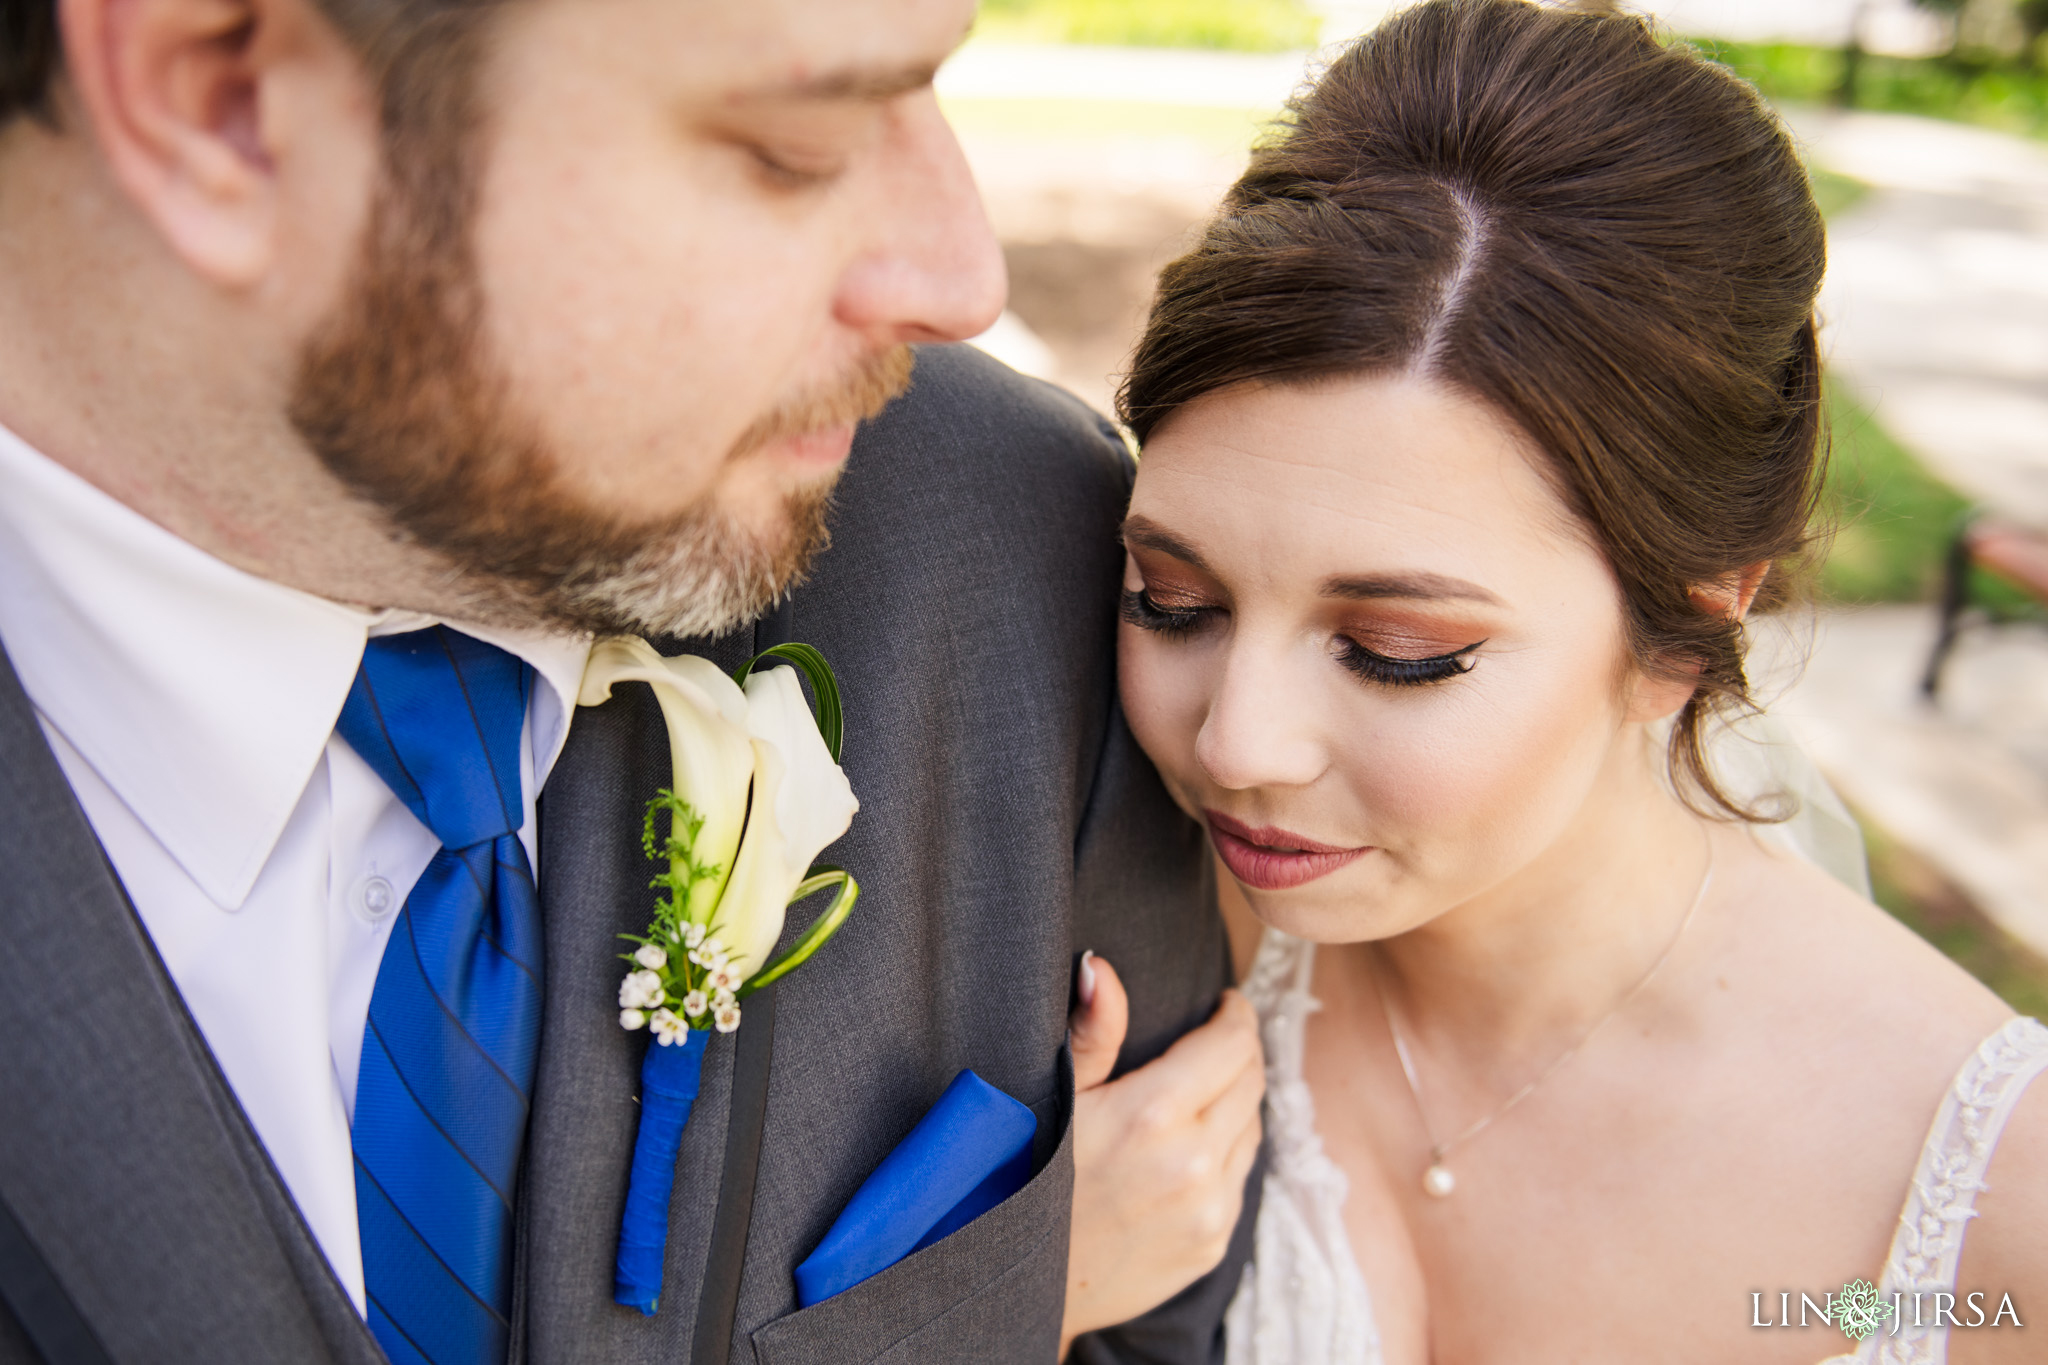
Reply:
x=1608 y=239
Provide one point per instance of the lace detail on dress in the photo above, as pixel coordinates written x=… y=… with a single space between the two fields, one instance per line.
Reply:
x=1943 y=1196
x=1302 y=1300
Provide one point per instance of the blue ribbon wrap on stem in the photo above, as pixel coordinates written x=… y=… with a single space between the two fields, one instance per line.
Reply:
x=668 y=1091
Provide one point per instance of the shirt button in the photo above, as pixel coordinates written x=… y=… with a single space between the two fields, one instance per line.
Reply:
x=376 y=899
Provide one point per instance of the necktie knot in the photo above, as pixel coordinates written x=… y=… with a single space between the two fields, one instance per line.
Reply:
x=438 y=716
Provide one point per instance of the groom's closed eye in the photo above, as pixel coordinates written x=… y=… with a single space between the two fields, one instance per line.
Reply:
x=805 y=135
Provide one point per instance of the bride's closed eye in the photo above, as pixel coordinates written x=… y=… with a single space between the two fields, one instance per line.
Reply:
x=1171 y=620
x=1389 y=671
x=1177 y=620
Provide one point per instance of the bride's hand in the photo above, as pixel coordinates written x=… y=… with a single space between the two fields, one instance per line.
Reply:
x=1160 y=1155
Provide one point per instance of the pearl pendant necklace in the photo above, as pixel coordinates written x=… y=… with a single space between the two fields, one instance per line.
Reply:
x=1437 y=1180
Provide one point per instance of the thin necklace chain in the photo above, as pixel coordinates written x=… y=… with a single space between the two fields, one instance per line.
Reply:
x=1439 y=1149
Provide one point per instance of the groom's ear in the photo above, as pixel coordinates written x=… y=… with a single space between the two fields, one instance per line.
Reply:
x=232 y=124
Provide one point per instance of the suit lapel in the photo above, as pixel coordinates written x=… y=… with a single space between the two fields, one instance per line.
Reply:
x=126 y=1160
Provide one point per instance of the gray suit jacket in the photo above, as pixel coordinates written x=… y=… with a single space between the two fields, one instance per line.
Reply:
x=1006 y=822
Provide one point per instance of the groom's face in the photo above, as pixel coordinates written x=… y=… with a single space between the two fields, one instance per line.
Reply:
x=613 y=328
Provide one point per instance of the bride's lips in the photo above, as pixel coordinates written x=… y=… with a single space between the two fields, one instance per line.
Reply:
x=1268 y=859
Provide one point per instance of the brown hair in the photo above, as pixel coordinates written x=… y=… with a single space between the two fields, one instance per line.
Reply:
x=1610 y=240
x=399 y=40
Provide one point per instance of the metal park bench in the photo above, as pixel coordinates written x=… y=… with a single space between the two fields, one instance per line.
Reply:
x=2015 y=553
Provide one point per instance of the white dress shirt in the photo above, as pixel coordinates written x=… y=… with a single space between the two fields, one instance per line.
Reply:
x=192 y=707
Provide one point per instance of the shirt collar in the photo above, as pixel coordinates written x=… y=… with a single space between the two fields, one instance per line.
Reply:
x=203 y=695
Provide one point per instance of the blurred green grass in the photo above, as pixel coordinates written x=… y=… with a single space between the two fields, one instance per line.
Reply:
x=1835 y=194
x=1892 y=519
x=1240 y=25
x=2012 y=98
x=1927 y=903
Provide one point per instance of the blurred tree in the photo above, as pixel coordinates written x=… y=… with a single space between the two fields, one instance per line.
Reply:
x=2033 y=16
x=1852 y=57
x=1988 y=32
x=1950 y=11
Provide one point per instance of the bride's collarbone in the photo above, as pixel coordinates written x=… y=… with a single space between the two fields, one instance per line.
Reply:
x=1759 y=1130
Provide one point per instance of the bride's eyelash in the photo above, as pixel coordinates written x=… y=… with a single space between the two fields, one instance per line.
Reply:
x=1138 y=609
x=1389 y=672
x=1141 y=611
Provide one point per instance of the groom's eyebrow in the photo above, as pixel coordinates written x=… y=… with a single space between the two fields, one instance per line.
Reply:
x=1418 y=585
x=1152 y=536
x=850 y=83
x=874 y=83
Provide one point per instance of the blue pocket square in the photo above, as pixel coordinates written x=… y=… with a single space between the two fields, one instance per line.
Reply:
x=969 y=1154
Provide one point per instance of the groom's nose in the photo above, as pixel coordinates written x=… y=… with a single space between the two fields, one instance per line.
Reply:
x=932 y=270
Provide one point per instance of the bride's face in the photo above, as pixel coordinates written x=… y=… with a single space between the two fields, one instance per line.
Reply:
x=1369 y=648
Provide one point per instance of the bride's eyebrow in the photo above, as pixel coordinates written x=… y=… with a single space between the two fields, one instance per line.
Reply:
x=1152 y=536
x=1425 y=586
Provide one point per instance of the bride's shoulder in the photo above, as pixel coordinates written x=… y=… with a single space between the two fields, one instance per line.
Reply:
x=1838 y=955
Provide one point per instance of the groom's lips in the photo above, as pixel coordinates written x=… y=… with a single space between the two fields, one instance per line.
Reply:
x=820 y=450
x=1268 y=859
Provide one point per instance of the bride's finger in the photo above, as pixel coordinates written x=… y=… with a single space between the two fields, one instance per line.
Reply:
x=1096 y=1030
x=1244 y=1149
x=1238 y=1104
x=1203 y=1064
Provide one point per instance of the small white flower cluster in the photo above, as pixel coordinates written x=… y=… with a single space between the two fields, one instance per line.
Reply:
x=639 y=992
x=721 y=979
x=642 y=990
x=668 y=1029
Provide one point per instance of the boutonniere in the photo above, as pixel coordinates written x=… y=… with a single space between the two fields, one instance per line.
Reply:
x=757 y=795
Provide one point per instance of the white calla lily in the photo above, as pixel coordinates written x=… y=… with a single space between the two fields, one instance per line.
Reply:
x=756 y=795
x=801 y=803
x=713 y=753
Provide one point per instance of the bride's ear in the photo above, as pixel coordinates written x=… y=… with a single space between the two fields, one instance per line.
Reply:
x=1655 y=697
x=1732 y=595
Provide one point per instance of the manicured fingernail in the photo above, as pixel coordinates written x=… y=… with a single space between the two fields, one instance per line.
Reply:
x=1088 y=979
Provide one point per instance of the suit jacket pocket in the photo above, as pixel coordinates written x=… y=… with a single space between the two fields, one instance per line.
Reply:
x=992 y=1292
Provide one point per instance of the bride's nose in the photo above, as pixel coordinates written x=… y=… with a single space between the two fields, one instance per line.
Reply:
x=1260 y=730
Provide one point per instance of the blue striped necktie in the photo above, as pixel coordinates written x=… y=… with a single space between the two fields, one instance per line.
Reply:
x=448 y=1052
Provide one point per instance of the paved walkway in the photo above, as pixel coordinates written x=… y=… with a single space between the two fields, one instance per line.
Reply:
x=1937 y=294
x=1936 y=303
x=1964 y=785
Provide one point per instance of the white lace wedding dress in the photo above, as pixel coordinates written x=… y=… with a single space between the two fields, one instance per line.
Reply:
x=1303 y=1301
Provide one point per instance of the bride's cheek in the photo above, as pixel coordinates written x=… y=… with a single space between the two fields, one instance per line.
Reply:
x=1472 y=786
x=1162 y=702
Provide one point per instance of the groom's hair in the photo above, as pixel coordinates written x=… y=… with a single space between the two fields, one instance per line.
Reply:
x=1606 y=237
x=418 y=52
x=28 y=56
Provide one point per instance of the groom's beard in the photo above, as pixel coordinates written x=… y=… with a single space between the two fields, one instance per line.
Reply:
x=398 y=399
